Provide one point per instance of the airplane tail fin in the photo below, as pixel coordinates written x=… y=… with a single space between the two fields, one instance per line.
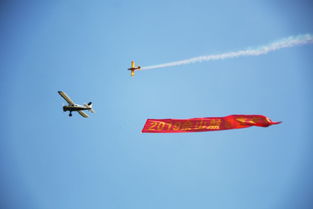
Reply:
x=89 y=105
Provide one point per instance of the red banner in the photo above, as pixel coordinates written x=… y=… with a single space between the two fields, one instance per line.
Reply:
x=205 y=124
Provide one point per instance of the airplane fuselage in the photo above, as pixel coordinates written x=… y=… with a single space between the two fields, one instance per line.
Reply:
x=75 y=108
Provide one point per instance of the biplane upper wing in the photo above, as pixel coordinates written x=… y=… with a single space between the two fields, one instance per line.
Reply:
x=83 y=114
x=64 y=95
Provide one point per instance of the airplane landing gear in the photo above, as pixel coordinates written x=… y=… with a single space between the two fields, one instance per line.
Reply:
x=70 y=114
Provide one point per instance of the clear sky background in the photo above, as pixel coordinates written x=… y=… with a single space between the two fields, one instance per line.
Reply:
x=49 y=160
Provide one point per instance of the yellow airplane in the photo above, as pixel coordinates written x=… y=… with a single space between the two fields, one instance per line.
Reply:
x=133 y=68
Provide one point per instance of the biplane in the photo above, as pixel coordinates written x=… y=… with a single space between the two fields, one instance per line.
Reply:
x=75 y=107
x=133 y=68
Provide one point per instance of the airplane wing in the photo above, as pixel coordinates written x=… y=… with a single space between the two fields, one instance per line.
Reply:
x=64 y=95
x=132 y=64
x=83 y=114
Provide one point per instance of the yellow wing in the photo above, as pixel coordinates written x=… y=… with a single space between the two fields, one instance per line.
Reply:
x=132 y=64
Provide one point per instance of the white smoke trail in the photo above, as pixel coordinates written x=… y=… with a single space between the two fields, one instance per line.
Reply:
x=283 y=43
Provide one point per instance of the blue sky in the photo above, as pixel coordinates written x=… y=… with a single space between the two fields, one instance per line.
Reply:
x=49 y=160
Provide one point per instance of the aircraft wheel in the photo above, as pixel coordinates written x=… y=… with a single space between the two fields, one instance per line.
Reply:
x=70 y=115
